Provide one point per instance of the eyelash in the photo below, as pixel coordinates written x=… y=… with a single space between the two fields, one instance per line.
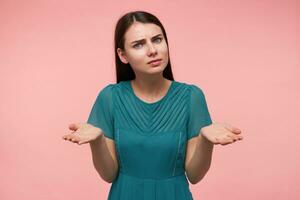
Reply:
x=141 y=43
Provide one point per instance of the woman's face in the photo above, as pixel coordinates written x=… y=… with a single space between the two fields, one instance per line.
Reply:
x=144 y=43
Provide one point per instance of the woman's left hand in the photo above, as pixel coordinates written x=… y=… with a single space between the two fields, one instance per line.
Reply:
x=221 y=133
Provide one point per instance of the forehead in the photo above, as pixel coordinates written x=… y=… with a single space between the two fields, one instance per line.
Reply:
x=139 y=31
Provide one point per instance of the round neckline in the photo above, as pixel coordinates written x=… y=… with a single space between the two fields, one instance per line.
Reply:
x=153 y=103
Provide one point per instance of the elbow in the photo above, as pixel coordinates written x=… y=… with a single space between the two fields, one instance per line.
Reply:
x=194 y=182
x=110 y=176
x=113 y=178
x=194 y=179
x=109 y=179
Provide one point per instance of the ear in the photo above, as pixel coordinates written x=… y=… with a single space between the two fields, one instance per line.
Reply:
x=122 y=56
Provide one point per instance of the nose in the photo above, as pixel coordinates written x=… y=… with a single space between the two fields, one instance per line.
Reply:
x=151 y=49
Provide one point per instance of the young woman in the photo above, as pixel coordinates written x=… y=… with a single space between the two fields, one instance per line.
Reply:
x=148 y=133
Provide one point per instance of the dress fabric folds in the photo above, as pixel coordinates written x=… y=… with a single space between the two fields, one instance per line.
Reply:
x=150 y=138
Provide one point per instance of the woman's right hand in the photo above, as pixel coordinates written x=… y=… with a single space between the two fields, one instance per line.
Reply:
x=83 y=133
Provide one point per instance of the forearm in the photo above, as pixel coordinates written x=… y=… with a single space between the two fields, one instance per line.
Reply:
x=102 y=160
x=201 y=159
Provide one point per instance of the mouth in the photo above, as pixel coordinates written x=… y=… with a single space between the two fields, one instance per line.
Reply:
x=156 y=61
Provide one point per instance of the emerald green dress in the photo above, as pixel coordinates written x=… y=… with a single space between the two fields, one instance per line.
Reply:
x=150 y=138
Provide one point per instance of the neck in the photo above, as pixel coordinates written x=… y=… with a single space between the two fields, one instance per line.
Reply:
x=152 y=86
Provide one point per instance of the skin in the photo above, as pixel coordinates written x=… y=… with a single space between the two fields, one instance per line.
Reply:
x=150 y=86
x=200 y=148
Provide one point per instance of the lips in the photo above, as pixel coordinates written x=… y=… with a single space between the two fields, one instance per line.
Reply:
x=154 y=61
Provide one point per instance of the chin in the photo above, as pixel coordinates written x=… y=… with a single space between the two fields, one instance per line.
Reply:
x=156 y=69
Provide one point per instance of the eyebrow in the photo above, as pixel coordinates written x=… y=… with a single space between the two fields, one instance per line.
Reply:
x=144 y=39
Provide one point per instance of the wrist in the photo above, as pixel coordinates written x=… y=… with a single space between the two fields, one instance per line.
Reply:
x=204 y=139
x=99 y=137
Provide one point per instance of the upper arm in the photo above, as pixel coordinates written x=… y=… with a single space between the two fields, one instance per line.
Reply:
x=198 y=117
x=102 y=112
x=102 y=116
x=198 y=113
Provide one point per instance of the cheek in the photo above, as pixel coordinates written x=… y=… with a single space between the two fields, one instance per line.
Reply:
x=164 y=50
x=137 y=56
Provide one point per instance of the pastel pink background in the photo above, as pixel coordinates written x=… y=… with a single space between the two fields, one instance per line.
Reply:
x=55 y=56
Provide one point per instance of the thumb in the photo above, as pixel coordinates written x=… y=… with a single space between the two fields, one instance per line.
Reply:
x=232 y=128
x=73 y=126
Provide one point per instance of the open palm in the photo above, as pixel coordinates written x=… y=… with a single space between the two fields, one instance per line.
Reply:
x=82 y=133
x=221 y=133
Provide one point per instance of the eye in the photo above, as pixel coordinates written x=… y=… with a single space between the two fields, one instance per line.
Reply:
x=160 y=39
x=136 y=45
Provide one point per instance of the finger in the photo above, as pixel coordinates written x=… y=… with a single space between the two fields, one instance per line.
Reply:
x=229 y=139
x=237 y=131
x=67 y=137
x=70 y=138
x=82 y=142
x=225 y=140
x=220 y=141
x=74 y=126
x=233 y=136
x=216 y=141
x=232 y=128
x=76 y=139
x=239 y=137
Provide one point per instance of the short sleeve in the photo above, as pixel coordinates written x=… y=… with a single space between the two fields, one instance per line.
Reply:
x=101 y=114
x=198 y=115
